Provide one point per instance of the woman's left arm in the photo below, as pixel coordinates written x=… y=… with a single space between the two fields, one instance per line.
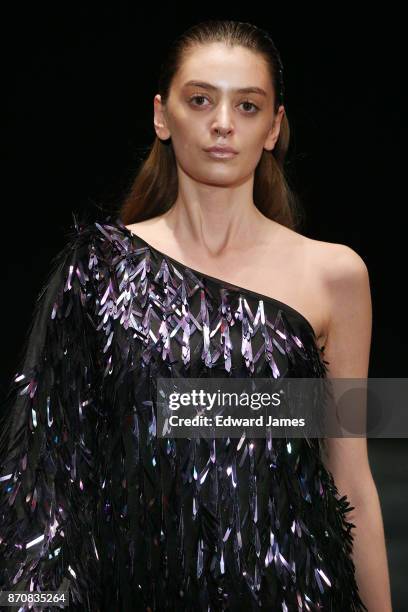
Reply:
x=347 y=351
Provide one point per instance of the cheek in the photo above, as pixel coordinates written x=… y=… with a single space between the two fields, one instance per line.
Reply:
x=254 y=147
x=254 y=134
x=251 y=139
x=187 y=135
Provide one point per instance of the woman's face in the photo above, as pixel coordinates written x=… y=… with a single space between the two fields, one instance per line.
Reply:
x=213 y=112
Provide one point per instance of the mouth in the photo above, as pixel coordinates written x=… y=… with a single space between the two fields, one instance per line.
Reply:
x=221 y=153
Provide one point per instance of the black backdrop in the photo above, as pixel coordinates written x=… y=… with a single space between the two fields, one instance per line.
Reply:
x=79 y=82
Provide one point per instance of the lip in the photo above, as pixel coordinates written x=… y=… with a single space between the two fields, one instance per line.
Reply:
x=221 y=149
x=221 y=152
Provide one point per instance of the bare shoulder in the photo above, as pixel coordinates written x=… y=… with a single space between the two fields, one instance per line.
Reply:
x=345 y=278
x=343 y=281
x=336 y=275
x=338 y=263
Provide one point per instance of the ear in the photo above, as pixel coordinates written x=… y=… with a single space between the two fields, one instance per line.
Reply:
x=273 y=133
x=160 y=124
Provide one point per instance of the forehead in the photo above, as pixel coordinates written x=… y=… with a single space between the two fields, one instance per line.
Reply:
x=225 y=67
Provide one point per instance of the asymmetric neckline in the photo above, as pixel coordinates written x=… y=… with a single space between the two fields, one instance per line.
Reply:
x=178 y=264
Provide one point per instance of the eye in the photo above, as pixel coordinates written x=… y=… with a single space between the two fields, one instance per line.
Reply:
x=197 y=97
x=251 y=104
x=201 y=97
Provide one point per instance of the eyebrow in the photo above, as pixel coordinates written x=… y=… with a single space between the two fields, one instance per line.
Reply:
x=205 y=85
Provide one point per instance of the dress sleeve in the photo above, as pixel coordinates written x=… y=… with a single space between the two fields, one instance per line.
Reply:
x=49 y=425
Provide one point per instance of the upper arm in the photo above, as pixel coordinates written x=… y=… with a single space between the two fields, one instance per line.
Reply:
x=350 y=314
x=48 y=441
x=347 y=351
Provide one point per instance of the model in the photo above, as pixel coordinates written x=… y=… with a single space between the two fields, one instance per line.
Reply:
x=201 y=274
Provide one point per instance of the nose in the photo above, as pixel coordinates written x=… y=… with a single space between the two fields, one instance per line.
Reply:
x=222 y=123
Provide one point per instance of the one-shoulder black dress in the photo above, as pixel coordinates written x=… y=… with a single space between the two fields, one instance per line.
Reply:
x=93 y=502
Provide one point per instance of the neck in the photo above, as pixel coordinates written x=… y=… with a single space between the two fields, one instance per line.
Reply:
x=217 y=224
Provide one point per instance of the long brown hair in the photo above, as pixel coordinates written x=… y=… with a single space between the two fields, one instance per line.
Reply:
x=155 y=187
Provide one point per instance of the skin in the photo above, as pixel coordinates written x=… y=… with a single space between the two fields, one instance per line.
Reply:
x=214 y=227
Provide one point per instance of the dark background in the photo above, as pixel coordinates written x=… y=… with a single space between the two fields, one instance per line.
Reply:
x=79 y=82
